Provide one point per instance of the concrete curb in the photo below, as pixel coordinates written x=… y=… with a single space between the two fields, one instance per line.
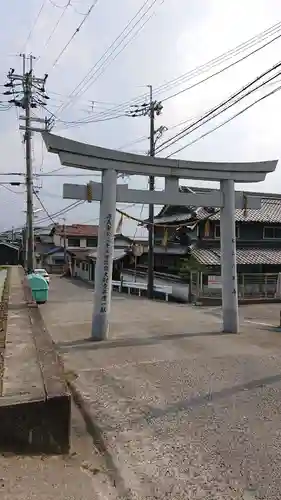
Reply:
x=98 y=439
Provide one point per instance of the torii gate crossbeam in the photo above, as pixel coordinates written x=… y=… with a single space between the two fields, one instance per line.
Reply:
x=89 y=157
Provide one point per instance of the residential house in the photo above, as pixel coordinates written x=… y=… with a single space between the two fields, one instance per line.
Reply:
x=52 y=243
x=258 y=236
x=74 y=246
x=75 y=236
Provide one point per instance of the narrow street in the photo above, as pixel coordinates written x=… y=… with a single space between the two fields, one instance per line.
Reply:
x=183 y=411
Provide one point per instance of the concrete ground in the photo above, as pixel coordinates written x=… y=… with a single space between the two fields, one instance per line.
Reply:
x=79 y=476
x=185 y=412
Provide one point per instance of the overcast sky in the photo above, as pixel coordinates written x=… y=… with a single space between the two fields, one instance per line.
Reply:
x=179 y=36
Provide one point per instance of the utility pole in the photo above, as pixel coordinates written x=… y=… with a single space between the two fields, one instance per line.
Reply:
x=27 y=89
x=150 y=109
x=64 y=245
x=150 y=260
x=31 y=94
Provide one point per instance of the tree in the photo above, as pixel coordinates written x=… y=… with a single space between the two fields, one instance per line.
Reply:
x=189 y=265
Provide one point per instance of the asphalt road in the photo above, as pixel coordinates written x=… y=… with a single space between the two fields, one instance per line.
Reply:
x=185 y=412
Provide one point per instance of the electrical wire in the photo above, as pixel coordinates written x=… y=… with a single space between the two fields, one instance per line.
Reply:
x=219 y=108
x=60 y=6
x=86 y=16
x=63 y=211
x=87 y=120
x=9 y=189
x=64 y=11
x=35 y=23
x=109 y=51
x=109 y=61
x=144 y=137
x=43 y=206
x=207 y=67
x=221 y=70
x=226 y=121
x=133 y=142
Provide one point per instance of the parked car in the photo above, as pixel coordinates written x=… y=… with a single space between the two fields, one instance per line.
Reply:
x=43 y=273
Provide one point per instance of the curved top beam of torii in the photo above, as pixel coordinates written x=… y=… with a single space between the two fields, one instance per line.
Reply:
x=89 y=157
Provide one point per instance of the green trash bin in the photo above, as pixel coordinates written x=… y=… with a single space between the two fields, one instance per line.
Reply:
x=39 y=288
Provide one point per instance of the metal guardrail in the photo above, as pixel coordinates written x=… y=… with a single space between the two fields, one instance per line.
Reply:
x=164 y=276
x=131 y=285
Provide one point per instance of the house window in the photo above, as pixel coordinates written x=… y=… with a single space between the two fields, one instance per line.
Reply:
x=218 y=232
x=272 y=233
x=91 y=242
x=74 y=242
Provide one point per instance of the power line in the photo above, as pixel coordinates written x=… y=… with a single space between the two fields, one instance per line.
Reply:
x=108 y=52
x=63 y=211
x=35 y=23
x=208 y=66
x=43 y=206
x=60 y=6
x=103 y=68
x=144 y=137
x=210 y=114
x=67 y=209
x=222 y=70
x=226 y=121
x=75 y=33
x=64 y=11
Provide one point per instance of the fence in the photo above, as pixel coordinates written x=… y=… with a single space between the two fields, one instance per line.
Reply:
x=258 y=285
x=139 y=288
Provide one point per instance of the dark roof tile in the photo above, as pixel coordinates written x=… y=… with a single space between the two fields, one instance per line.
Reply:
x=244 y=256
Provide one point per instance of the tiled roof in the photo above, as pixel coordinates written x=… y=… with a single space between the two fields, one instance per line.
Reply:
x=244 y=256
x=270 y=212
x=78 y=230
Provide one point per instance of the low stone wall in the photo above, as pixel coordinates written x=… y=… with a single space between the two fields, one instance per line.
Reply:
x=35 y=404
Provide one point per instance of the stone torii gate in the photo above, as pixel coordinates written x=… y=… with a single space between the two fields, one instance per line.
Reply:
x=110 y=162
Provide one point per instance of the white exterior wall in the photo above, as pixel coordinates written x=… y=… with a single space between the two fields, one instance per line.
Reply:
x=83 y=243
x=59 y=241
x=81 y=273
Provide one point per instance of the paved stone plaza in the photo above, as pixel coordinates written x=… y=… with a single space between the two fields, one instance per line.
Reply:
x=185 y=412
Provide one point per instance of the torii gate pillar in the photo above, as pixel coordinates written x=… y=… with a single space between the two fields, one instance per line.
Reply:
x=228 y=259
x=104 y=262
